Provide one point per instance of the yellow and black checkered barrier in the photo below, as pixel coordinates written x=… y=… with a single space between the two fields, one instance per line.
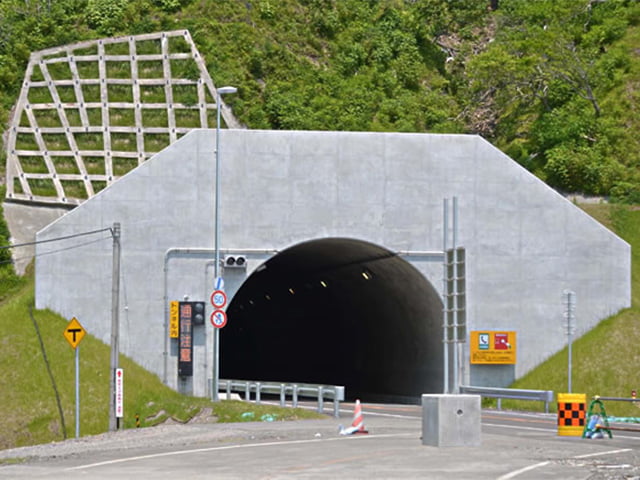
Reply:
x=572 y=413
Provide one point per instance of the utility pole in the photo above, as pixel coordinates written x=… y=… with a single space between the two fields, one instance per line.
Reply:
x=115 y=325
x=569 y=316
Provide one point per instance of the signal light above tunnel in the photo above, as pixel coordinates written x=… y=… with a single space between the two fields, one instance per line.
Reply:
x=235 y=261
x=198 y=313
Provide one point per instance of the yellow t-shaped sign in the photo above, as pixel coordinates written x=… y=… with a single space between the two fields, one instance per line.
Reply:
x=74 y=332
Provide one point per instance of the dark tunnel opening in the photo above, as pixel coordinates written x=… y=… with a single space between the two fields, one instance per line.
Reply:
x=337 y=311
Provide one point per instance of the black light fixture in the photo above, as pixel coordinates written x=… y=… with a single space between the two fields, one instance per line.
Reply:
x=235 y=261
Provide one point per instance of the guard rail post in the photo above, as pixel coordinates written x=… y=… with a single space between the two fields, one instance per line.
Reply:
x=332 y=392
x=320 y=399
x=338 y=394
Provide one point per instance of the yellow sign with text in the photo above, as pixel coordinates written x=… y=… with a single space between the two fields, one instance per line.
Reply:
x=174 y=321
x=491 y=347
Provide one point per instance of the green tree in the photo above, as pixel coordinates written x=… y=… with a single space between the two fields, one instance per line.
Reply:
x=547 y=72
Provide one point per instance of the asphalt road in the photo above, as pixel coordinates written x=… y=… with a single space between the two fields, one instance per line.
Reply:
x=513 y=446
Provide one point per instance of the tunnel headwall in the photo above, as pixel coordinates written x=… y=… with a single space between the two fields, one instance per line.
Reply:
x=525 y=243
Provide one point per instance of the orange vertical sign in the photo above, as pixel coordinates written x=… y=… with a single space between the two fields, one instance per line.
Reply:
x=174 y=321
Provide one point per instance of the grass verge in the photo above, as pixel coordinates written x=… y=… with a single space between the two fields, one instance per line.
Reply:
x=605 y=359
x=29 y=407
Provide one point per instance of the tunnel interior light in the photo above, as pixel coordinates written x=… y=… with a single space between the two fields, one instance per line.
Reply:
x=323 y=283
x=292 y=291
x=366 y=274
x=266 y=295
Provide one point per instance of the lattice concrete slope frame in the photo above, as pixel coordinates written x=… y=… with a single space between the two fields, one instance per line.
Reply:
x=92 y=111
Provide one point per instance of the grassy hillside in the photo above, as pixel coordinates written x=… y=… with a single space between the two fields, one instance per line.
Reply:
x=605 y=360
x=29 y=412
x=554 y=84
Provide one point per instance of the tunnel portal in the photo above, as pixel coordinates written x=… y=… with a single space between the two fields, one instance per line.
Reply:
x=337 y=311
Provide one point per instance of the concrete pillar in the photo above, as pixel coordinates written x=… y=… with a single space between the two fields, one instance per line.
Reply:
x=451 y=420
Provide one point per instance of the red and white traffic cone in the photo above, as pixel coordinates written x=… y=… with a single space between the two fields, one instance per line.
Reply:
x=357 y=426
x=358 y=420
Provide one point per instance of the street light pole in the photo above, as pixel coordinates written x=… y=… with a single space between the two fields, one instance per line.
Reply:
x=115 y=325
x=216 y=331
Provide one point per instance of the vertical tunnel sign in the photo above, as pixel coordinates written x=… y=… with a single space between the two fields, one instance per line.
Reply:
x=174 y=319
x=185 y=340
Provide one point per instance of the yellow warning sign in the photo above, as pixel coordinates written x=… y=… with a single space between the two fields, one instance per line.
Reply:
x=74 y=333
x=174 y=320
x=572 y=414
x=493 y=347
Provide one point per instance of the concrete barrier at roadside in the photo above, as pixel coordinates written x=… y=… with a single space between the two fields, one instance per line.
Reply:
x=451 y=420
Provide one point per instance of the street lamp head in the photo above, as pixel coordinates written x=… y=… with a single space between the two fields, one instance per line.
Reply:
x=225 y=90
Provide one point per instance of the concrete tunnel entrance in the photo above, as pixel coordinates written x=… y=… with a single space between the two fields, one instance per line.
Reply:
x=337 y=311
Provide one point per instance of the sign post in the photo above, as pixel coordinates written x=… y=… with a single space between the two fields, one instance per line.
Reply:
x=74 y=333
x=218 y=320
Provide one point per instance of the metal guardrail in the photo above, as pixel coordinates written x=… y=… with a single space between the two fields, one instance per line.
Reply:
x=545 y=396
x=333 y=393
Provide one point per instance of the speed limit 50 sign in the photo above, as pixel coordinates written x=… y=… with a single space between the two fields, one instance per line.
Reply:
x=218 y=299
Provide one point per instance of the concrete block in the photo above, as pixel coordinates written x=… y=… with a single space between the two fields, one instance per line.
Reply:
x=451 y=420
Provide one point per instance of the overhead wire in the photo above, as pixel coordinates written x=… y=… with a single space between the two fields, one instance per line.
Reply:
x=57 y=239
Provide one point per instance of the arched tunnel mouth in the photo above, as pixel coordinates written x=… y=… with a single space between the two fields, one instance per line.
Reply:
x=337 y=311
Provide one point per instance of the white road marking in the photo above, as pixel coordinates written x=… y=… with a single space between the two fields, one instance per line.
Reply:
x=597 y=454
x=519 y=427
x=232 y=447
x=515 y=473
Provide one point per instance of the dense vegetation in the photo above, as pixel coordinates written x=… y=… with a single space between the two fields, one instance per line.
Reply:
x=552 y=82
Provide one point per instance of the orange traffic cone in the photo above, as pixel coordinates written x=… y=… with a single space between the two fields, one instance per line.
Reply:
x=358 y=420
x=357 y=426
